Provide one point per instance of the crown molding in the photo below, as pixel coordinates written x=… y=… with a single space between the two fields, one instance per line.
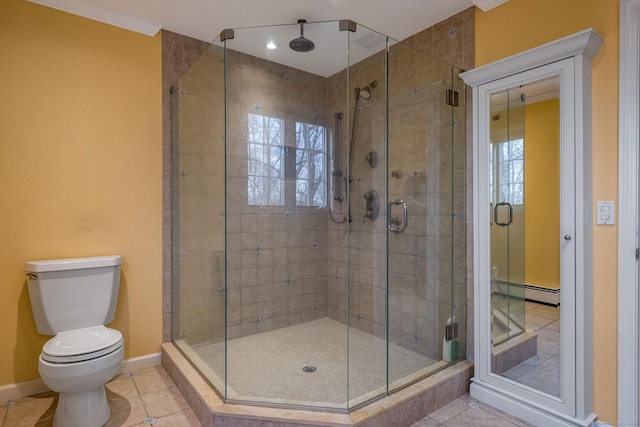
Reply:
x=104 y=15
x=586 y=42
x=486 y=5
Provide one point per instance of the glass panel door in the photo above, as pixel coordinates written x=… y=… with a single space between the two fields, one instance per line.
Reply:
x=507 y=215
x=422 y=163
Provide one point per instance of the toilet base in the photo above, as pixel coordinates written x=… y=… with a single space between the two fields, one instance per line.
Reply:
x=85 y=409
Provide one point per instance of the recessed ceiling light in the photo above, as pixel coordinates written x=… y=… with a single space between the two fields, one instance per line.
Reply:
x=271 y=45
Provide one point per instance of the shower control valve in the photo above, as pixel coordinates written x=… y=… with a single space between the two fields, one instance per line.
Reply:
x=373 y=205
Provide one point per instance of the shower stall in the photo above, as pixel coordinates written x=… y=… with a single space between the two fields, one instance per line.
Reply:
x=318 y=200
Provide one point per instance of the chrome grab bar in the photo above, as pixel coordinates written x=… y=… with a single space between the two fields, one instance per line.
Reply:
x=405 y=215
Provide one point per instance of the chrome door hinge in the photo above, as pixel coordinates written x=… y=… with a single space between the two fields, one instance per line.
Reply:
x=451 y=331
x=637 y=254
x=452 y=97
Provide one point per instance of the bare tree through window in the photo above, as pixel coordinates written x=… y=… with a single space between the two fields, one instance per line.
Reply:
x=507 y=166
x=265 y=143
x=311 y=184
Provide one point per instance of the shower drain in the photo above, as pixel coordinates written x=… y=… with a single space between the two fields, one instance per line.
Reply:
x=309 y=369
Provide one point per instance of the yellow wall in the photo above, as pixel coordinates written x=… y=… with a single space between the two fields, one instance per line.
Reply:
x=532 y=254
x=504 y=31
x=542 y=193
x=80 y=167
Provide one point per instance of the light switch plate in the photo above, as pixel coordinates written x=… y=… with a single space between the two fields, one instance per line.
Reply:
x=605 y=213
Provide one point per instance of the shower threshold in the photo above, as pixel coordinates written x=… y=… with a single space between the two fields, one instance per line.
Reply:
x=402 y=408
x=269 y=368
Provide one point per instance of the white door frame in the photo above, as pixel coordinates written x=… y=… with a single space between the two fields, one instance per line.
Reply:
x=572 y=57
x=629 y=131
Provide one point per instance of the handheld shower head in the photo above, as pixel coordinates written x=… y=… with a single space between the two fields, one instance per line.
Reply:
x=365 y=92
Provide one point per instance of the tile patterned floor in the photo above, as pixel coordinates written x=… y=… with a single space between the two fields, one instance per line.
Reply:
x=149 y=398
x=270 y=364
x=465 y=412
x=541 y=371
x=143 y=398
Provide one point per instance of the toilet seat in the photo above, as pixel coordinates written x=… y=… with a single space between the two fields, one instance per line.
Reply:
x=81 y=344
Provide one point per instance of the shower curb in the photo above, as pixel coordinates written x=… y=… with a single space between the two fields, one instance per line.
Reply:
x=402 y=408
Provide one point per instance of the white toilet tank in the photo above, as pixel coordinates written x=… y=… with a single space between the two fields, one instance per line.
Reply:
x=73 y=293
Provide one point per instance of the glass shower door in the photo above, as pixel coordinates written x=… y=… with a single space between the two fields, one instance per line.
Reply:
x=507 y=215
x=423 y=162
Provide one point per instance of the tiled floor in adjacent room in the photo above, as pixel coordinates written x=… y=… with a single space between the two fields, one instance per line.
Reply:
x=541 y=371
x=149 y=398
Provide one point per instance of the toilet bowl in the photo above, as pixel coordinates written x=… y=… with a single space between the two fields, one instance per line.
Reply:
x=74 y=299
x=77 y=364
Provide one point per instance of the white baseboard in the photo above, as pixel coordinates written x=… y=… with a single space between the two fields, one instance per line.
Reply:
x=23 y=389
x=137 y=363
x=37 y=386
x=526 y=410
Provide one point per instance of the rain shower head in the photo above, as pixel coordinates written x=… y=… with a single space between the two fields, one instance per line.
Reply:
x=301 y=44
x=365 y=92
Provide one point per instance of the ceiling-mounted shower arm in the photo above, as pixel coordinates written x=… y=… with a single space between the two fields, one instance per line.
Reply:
x=302 y=44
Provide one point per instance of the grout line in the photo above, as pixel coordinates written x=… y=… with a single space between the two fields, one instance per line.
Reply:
x=132 y=375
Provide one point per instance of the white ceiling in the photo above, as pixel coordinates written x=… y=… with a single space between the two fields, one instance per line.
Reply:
x=205 y=19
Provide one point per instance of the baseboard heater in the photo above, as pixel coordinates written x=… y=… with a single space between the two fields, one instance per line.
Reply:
x=534 y=293
x=543 y=295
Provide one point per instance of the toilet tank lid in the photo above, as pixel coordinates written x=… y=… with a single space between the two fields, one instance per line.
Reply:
x=73 y=263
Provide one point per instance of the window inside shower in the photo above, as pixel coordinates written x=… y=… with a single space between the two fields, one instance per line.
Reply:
x=311 y=161
x=318 y=216
x=265 y=166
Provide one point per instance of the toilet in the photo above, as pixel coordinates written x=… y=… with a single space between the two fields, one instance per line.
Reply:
x=73 y=300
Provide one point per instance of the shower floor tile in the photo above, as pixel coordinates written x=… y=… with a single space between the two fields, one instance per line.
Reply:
x=268 y=367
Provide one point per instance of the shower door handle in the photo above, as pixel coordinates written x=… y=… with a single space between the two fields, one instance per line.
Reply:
x=495 y=214
x=491 y=213
x=405 y=216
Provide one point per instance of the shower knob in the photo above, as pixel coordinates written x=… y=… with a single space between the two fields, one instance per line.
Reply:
x=368 y=196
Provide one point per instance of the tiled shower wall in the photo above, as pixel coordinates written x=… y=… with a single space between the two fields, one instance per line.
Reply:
x=198 y=205
x=278 y=275
x=277 y=255
x=426 y=169
x=178 y=55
